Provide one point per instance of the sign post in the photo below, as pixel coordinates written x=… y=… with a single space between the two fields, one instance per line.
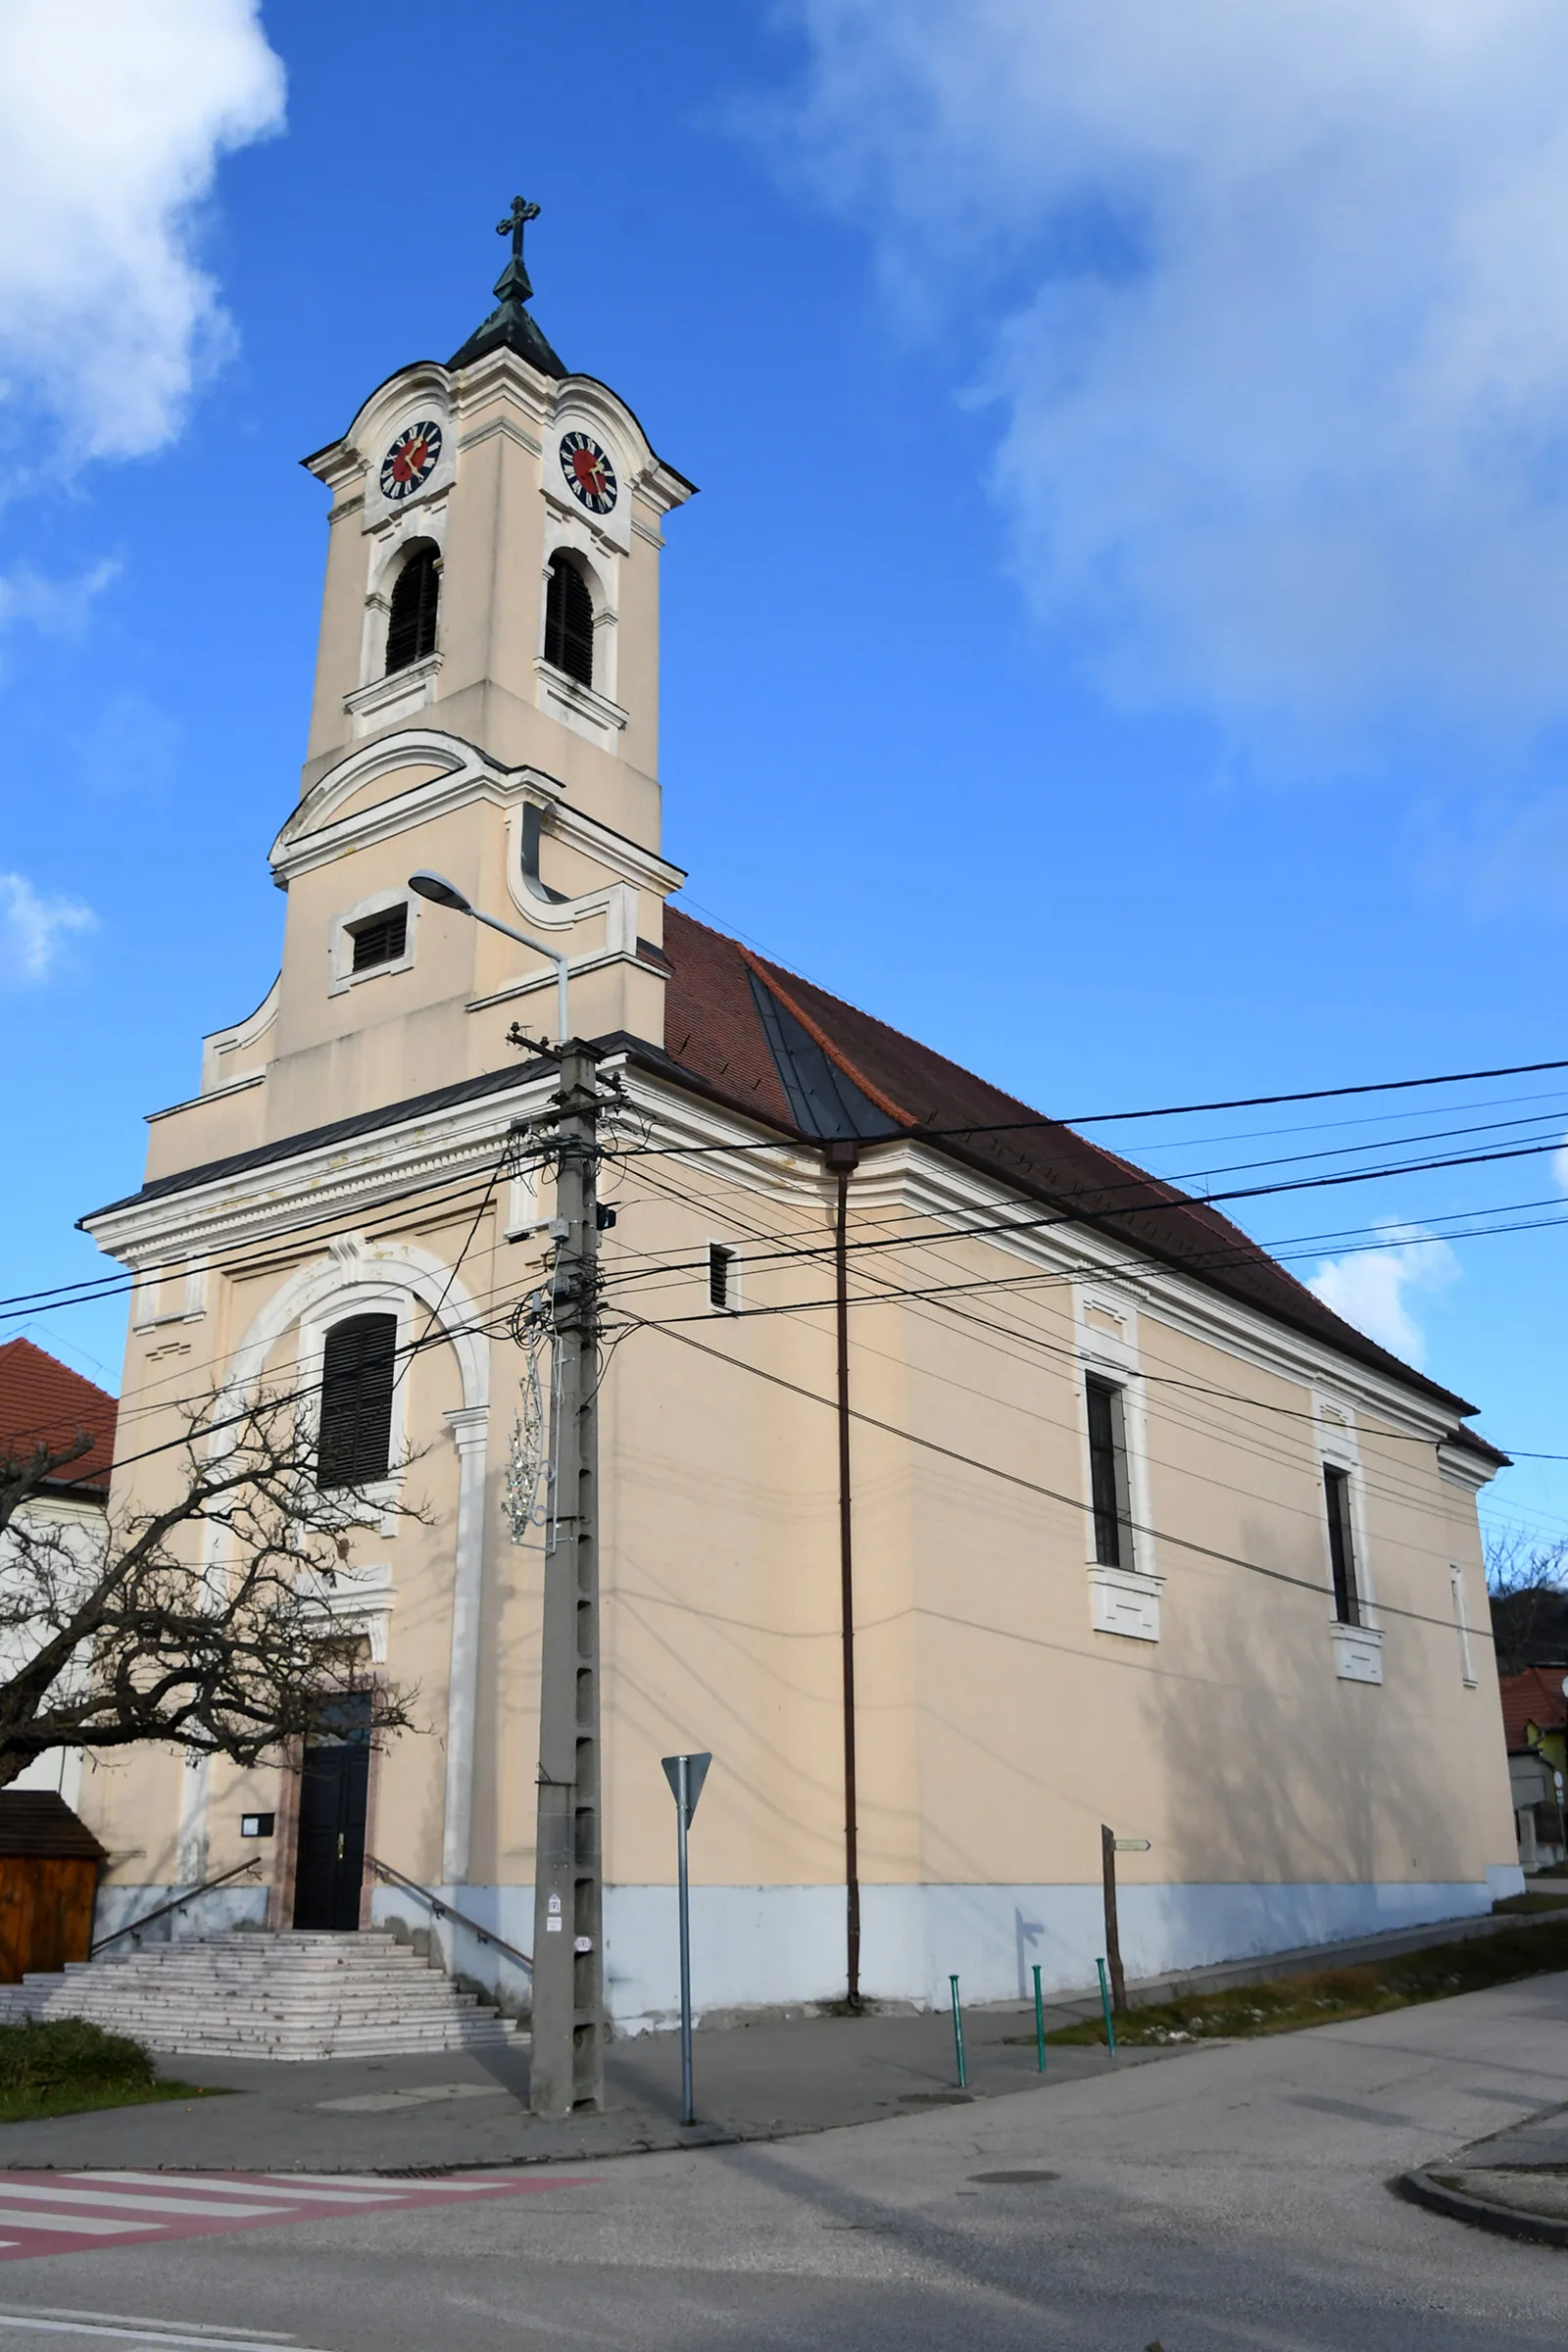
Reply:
x=685 y=1775
x=1110 y=1845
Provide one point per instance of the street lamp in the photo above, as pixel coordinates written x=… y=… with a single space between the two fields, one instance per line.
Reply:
x=442 y=893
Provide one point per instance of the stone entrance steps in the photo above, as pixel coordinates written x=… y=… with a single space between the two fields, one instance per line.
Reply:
x=262 y=1995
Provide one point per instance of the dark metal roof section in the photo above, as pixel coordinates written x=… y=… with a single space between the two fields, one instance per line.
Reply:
x=317 y=1139
x=509 y=324
x=38 y=1821
x=822 y=1100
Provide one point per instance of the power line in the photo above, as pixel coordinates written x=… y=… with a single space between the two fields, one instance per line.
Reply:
x=1014 y=1478
x=921 y=1133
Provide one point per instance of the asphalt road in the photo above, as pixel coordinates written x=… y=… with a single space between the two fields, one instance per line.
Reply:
x=1232 y=2197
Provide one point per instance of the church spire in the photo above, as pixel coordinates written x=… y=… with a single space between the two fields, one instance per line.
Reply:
x=510 y=323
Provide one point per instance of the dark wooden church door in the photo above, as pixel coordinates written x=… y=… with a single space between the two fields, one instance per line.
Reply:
x=329 y=1858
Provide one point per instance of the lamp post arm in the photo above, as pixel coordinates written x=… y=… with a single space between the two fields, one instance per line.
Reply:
x=554 y=954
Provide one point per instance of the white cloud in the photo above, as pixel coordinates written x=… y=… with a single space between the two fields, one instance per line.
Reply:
x=1372 y=1287
x=58 y=607
x=112 y=122
x=1284 y=358
x=33 y=928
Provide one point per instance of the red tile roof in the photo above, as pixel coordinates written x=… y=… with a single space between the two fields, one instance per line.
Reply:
x=714 y=1030
x=1534 y=1697
x=42 y=1401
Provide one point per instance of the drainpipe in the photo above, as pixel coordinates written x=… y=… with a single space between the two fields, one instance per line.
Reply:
x=842 y=1159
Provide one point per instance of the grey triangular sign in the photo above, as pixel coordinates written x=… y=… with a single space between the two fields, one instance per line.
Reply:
x=696 y=1775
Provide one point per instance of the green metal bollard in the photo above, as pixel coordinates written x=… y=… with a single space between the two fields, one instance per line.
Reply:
x=1104 y=2003
x=1040 y=2020
x=957 y=2035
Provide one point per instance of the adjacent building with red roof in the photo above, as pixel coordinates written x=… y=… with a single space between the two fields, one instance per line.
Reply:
x=48 y=1412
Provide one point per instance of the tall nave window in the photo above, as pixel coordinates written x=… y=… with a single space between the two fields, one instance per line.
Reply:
x=1108 y=1493
x=359 y=1370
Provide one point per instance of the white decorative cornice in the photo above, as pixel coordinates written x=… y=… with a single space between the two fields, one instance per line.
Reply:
x=309 y=1191
x=414 y=682
x=504 y=428
x=214 y=1093
x=314 y=836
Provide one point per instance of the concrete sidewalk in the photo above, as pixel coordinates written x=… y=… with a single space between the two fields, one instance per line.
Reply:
x=443 y=2108
x=762 y=2080
x=1514 y=2182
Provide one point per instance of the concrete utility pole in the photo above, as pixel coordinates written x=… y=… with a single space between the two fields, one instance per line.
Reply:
x=566 y=2068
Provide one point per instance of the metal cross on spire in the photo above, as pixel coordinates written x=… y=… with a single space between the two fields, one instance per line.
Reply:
x=515 y=222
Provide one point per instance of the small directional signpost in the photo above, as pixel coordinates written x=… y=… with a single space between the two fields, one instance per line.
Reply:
x=1110 y=1845
x=685 y=1775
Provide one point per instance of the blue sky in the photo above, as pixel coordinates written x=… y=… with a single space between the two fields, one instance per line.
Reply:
x=1121 y=636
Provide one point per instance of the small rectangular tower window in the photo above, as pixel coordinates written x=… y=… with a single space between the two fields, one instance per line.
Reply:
x=380 y=938
x=1107 y=1474
x=722 y=1283
x=1342 y=1545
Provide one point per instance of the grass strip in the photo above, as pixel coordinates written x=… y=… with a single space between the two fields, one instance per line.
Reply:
x=1332 y=1995
x=66 y=2065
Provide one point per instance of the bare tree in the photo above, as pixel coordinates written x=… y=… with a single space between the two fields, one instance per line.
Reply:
x=202 y=1620
x=1527 y=1584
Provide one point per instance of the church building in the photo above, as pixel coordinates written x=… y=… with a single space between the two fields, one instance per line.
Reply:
x=1069 y=1509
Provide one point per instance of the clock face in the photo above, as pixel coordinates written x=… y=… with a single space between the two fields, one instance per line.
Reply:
x=410 y=460
x=590 y=476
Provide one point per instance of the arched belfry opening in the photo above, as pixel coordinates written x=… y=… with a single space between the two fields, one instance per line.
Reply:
x=416 y=596
x=570 y=621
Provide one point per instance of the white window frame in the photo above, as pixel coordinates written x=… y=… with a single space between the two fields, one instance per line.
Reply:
x=1358 y=1649
x=369 y=1298
x=1124 y=1599
x=380 y=902
x=1461 y=1622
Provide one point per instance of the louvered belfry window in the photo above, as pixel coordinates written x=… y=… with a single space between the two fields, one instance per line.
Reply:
x=569 y=621
x=379 y=939
x=358 y=1373
x=410 y=631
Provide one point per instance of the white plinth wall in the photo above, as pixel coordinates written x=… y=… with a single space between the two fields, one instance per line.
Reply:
x=765 y=1947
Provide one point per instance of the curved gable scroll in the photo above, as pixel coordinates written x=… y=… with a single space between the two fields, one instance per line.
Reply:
x=424 y=772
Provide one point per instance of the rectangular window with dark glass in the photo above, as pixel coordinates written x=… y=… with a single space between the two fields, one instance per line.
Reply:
x=1107 y=1474
x=358 y=1369
x=1342 y=1545
x=380 y=938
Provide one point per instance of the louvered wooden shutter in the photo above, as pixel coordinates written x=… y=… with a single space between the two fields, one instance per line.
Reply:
x=411 y=630
x=569 y=621
x=357 y=1372
x=381 y=939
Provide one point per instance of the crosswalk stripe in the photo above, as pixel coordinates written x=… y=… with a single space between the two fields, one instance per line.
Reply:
x=142 y=2332
x=273 y=2186
x=137 y=2202
x=91 y=2224
x=380 y=2185
x=222 y=2339
x=43 y=2213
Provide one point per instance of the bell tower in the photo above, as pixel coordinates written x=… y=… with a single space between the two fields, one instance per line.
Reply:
x=486 y=704
x=516 y=489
